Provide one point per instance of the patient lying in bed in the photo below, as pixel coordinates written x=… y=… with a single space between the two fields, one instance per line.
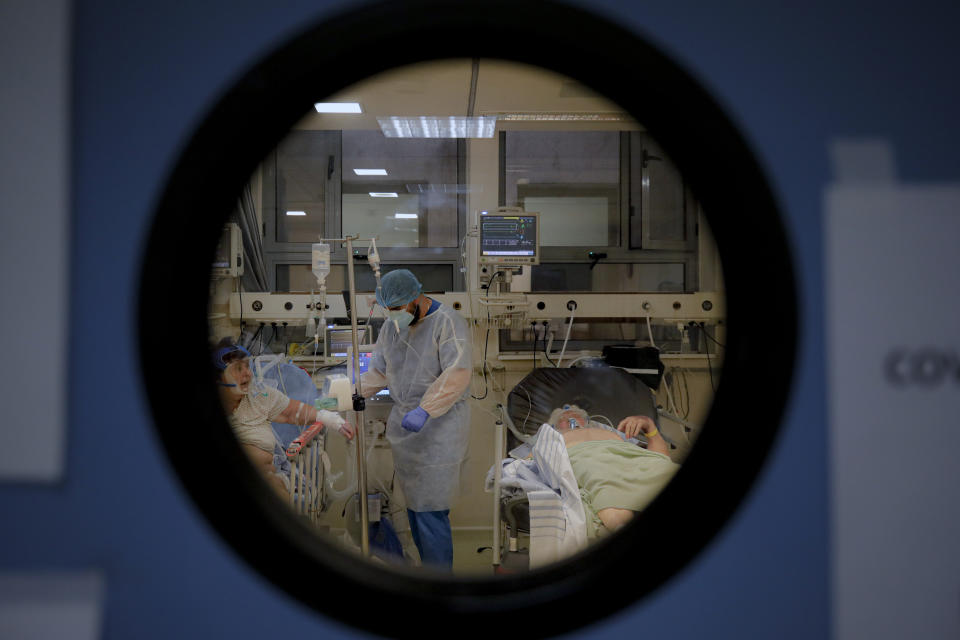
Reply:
x=617 y=478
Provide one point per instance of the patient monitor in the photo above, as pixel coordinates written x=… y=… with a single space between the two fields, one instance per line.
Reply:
x=509 y=236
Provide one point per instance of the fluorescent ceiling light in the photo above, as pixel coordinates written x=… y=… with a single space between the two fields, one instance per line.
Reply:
x=296 y=213
x=565 y=116
x=375 y=194
x=337 y=107
x=370 y=172
x=438 y=127
x=443 y=188
x=405 y=216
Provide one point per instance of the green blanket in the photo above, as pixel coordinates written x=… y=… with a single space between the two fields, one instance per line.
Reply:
x=613 y=473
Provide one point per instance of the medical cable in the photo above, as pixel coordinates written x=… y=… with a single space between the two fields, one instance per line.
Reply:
x=680 y=404
x=273 y=334
x=569 y=327
x=546 y=352
x=650 y=333
x=464 y=270
x=536 y=341
x=682 y=400
x=706 y=352
x=527 y=439
x=373 y=258
x=497 y=416
x=486 y=340
x=703 y=327
x=350 y=489
x=256 y=334
x=674 y=418
x=483 y=364
x=664 y=380
x=254 y=337
x=529 y=406
x=609 y=422
x=669 y=389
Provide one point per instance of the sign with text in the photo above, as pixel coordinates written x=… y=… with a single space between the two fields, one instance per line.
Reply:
x=893 y=340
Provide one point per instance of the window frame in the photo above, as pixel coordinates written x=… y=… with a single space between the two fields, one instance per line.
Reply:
x=277 y=253
x=629 y=214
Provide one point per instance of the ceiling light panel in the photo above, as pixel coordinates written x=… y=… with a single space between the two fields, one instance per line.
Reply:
x=564 y=117
x=438 y=127
x=370 y=172
x=337 y=107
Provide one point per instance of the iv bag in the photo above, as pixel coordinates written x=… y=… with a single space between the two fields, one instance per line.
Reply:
x=321 y=261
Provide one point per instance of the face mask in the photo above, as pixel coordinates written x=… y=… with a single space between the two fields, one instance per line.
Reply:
x=401 y=318
x=416 y=315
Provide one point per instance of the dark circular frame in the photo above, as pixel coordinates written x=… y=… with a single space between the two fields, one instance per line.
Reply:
x=251 y=119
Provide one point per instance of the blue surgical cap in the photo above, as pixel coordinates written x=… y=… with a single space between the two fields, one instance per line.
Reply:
x=397 y=288
x=223 y=357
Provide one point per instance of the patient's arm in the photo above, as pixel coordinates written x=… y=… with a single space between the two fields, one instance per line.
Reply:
x=614 y=518
x=632 y=426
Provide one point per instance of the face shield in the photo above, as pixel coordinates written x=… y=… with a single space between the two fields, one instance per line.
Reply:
x=234 y=365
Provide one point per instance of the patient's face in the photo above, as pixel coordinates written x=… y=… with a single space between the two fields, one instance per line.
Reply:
x=564 y=421
x=238 y=373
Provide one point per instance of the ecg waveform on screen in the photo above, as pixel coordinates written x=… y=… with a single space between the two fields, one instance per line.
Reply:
x=508 y=236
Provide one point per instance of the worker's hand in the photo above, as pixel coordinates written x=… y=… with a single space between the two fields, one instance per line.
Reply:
x=633 y=426
x=414 y=420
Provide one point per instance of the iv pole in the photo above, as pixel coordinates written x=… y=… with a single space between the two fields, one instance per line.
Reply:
x=358 y=402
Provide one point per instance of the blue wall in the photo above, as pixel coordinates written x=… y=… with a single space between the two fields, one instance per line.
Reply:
x=143 y=75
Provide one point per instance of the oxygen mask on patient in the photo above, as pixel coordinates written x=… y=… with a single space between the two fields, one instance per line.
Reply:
x=569 y=417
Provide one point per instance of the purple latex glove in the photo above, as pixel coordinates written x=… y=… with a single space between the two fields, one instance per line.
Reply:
x=414 y=420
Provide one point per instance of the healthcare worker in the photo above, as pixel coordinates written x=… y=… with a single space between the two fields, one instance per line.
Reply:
x=423 y=355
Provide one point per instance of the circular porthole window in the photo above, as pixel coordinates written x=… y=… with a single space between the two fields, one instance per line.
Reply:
x=637 y=228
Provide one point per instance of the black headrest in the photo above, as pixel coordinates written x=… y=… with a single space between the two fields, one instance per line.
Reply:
x=608 y=391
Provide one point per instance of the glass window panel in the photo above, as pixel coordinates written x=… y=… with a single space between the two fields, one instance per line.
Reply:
x=304 y=160
x=609 y=278
x=657 y=188
x=593 y=335
x=572 y=178
x=298 y=277
x=573 y=221
x=422 y=172
x=394 y=221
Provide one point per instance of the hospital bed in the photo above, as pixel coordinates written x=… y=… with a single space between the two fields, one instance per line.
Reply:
x=607 y=394
x=299 y=452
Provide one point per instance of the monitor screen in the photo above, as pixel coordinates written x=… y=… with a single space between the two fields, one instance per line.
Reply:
x=365 y=360
x=339 y=339
x=508 y=238
x=366 y=354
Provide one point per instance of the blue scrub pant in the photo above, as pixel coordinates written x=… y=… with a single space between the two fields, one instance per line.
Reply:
x=433 y=537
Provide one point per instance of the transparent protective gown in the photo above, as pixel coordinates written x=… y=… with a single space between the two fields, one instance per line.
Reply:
x=426 y=365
